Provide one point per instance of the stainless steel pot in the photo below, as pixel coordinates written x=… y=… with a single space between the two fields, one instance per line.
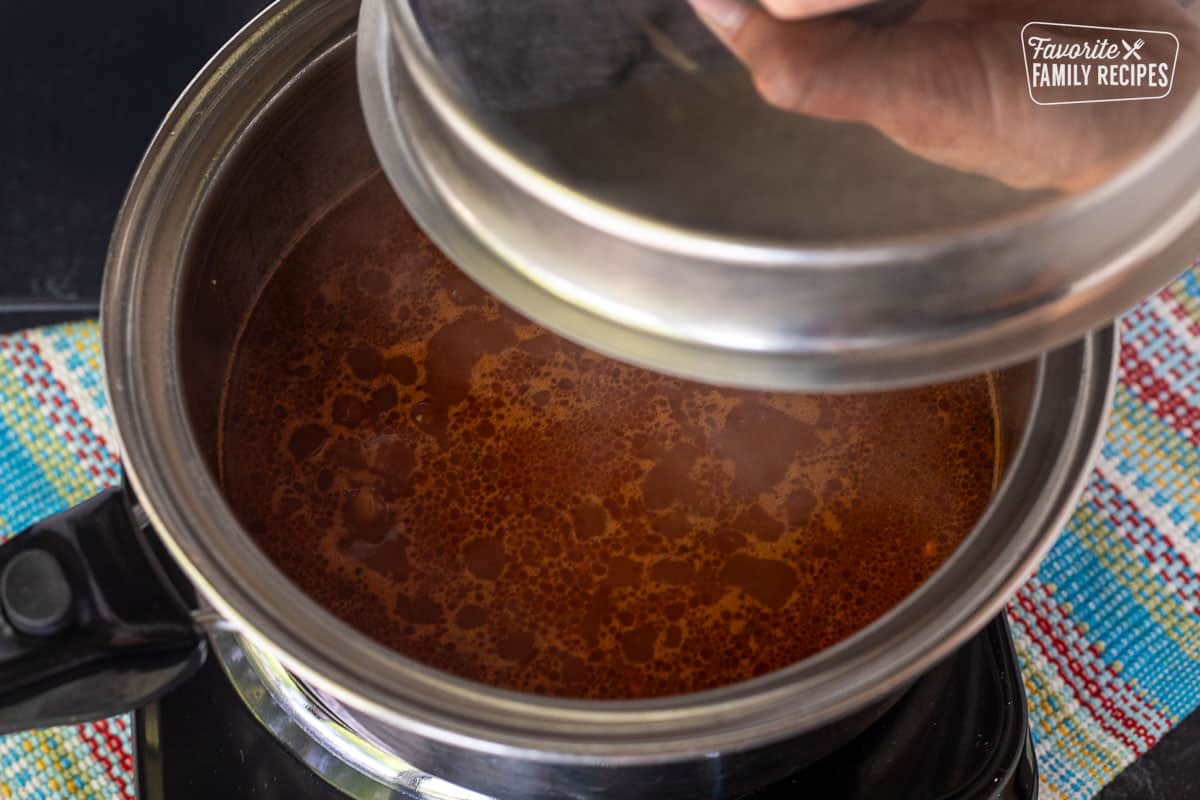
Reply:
x=268 y=135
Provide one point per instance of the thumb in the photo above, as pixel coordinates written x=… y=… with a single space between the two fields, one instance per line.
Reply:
x=825 y=67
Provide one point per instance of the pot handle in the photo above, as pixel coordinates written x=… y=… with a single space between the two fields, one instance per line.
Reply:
x=95 y=620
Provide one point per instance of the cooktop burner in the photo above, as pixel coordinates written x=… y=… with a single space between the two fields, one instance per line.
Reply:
x=960 y=733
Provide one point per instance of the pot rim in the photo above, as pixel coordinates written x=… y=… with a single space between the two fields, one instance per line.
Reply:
x=147 y=256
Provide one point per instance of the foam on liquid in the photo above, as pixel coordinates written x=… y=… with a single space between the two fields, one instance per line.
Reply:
x=489 y=499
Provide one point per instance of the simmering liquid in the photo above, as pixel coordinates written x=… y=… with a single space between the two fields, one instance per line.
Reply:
x=489 y=499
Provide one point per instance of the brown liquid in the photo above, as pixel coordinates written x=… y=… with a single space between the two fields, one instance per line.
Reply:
x=489 y=499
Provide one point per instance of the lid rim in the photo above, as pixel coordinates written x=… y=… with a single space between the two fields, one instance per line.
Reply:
x=763 y=252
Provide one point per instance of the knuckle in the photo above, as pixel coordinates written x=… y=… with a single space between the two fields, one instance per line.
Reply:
x=779 y=92
x=778 y=82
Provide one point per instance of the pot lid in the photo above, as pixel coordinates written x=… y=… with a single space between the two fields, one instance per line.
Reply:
x=780 y=196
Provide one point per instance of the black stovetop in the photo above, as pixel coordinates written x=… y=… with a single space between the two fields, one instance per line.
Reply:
x=960 y=733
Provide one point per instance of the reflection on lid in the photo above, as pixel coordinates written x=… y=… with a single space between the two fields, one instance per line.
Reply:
x=822 y=129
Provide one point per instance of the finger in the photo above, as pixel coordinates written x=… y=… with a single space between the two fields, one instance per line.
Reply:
x=891 y=79
x=806 y=9
x=727 y=12
x=794 y=65
x=894 y=79
x=725 y=17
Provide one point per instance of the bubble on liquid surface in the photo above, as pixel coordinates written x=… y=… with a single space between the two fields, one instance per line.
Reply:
x=492 y=500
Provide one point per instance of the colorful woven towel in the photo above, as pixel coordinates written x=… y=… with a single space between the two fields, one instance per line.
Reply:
x=1108 y=631
x=57 y=448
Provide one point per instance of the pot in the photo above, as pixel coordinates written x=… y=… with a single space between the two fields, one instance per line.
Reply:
x=266 y=137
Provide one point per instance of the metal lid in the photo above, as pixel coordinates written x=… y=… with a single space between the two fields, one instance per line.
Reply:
x=891 y=195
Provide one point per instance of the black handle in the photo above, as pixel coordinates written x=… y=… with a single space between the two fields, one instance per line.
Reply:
x=93 y=619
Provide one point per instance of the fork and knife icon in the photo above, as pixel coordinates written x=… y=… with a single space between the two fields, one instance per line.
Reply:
x=1133 y=50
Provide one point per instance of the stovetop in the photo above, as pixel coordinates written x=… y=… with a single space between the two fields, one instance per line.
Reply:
x=960 y=733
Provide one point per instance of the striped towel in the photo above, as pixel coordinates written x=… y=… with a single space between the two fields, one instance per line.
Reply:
x=57 y=448
x=1108 y=631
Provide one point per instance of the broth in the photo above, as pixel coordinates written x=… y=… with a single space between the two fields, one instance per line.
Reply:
x=489 y=499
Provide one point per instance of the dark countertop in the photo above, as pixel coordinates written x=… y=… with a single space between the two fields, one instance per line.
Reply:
x=84 y=90
x=1170 y=771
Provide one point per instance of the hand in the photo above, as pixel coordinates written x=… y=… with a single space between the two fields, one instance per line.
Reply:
x=950 y=85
